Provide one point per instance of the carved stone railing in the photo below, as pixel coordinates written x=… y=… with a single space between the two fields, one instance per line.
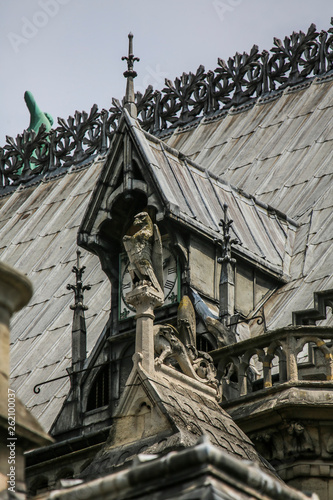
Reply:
x=286 y=345
x=234 y=82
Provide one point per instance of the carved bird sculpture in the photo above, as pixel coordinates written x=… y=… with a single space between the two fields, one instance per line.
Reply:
x=144 y=250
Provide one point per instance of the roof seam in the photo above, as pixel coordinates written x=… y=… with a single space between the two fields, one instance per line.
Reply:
x=199 y=191
x=177 y=182
x=248 y=226
x=266 y=231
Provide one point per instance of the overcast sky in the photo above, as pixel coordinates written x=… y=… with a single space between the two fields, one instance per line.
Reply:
x=68 y=52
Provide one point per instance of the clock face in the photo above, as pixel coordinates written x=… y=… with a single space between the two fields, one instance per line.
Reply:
x=170 y=279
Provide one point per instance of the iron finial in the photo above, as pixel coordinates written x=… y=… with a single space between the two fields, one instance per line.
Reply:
x=78 y=288
x=129 y=102
x=227 y=241
x=130 y=59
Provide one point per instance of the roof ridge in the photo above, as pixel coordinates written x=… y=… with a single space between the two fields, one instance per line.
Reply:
x=288 y=64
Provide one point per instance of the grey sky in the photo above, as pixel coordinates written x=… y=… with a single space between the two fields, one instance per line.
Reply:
x=68 y=52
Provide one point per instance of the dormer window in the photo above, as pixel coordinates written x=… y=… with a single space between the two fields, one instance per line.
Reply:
x=99 y=394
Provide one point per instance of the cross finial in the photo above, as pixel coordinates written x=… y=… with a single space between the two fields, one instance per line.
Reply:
x=130 y=59
x=78 y=288
x=129 y=103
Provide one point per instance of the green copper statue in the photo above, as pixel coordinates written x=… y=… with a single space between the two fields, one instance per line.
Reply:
x=37 y=117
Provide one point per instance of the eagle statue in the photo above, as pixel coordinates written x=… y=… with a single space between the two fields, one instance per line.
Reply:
x=144 y=250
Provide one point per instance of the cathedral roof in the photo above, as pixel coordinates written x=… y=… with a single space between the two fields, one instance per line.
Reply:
x=39 y=227
x=277 y=148
x=164 y=410
x=196 y=196
x=200 y=471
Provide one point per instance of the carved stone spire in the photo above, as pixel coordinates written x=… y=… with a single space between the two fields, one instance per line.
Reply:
x=130 y=74
x=79 y=333
x=227 y=280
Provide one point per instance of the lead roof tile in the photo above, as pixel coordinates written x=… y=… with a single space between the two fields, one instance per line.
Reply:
x=311 y=99
x=253 y=118
x=38 y=196
x=23 y=323
x=314 y=128
x=216 y=156
x=13 y=253
x=283 y=108
x=326 y=90
x=318 y=260
x=17 y=382
x=255 y=144
x=281 y=138
x=14 y=201
x=321 y=228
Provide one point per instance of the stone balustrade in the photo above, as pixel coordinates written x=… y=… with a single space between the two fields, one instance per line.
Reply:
x=291 y=354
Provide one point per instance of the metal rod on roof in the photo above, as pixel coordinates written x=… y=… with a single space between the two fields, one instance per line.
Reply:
x=37 y=386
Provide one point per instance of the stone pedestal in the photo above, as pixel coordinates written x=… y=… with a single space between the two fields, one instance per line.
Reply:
x=145 y=298
x=21 y=431
x=15 y=292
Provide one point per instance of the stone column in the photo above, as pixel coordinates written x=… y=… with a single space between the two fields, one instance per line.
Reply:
x=289 y=347
x=145 y=298
x=227 y=288
x=15 y=292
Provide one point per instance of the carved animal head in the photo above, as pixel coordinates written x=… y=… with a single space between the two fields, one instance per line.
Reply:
x=142 y=219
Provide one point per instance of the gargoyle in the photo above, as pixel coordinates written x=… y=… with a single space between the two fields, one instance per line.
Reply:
x=223 y=334
x=193 y=363
x=144 y=250
x=177 y=347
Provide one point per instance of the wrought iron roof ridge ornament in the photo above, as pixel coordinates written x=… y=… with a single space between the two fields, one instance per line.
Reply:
x=239 y=80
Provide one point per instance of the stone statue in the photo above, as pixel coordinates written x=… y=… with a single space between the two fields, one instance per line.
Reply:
x=172 y=352
x=144 y=250
x=37 y=117
x=177 y=347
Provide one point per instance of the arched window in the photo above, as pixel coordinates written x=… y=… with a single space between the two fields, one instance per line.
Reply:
x=99 y=394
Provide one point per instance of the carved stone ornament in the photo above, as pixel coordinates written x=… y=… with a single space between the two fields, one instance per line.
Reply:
x=144 y=250
x=176 y=347
x=193 y=363
x=292 y=439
